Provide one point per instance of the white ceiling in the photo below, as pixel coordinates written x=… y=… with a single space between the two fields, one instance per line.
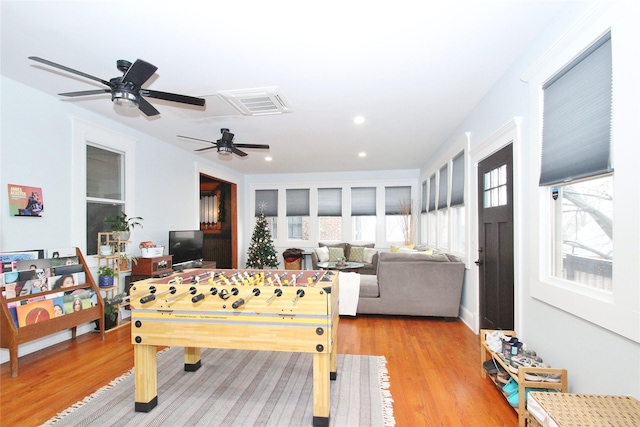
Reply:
x=413 y=70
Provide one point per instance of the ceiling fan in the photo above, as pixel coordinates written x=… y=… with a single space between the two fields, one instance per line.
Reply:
x=127 y=91
x=225 y=145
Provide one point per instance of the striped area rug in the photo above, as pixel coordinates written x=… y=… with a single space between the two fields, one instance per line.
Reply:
x=242 y=388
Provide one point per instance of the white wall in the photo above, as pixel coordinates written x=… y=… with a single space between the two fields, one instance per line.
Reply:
x=598 y=360
x=36 y=150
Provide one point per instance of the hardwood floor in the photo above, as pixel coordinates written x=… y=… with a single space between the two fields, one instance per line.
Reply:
x=433 y=368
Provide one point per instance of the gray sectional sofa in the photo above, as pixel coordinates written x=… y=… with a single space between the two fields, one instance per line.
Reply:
x=413 y=284
x=370 y=266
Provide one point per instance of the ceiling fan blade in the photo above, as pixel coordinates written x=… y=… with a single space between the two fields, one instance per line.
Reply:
x=86 y=92
x=139 y=72
x=70 y=70
x=147 y=108
x=173 y=97
x=265 y=146
x=238 y=152
x=206 y=148
x=197 y=139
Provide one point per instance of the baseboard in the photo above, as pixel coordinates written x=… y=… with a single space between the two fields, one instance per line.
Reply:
x=469 y=319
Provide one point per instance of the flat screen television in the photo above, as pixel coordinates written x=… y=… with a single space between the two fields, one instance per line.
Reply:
x=186 y=246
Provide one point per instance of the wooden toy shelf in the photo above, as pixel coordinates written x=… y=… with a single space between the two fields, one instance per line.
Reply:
x=523 y=383
x=12 y=336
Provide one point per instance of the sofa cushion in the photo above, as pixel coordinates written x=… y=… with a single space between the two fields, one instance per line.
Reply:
x=356 y=253
x=335 y=254
x=368 y=255
x=369 y=286
x=322 y=253
x=344 y=246
x=412 y=257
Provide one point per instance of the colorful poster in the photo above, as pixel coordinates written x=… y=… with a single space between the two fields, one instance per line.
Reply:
x=25 y=200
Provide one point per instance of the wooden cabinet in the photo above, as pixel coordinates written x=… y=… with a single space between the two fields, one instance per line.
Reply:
x=11 y=336
x=523 y=383
x=156 y=266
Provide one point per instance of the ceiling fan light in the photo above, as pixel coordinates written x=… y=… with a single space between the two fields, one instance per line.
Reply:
x=124 y=99
x=224 y=150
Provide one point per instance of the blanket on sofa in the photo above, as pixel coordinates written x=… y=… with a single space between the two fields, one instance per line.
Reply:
x=349 y=293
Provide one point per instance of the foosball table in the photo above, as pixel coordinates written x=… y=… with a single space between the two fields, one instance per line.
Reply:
x=274 y=310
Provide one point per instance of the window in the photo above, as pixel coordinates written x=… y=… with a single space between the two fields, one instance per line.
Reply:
x=423 y=211
x=495 y=187
x=267 y=203
x=432 y=216
x=298 y=214
x=456 y=205
x=584 y=232
x=330 y=213
x=363 y=213
x=105 y=191
x=443 y=212
x=397 y=204
x=576 y=160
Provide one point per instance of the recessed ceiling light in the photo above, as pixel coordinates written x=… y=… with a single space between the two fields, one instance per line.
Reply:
x=268 y=159
x=362 y=154
x=358 y=120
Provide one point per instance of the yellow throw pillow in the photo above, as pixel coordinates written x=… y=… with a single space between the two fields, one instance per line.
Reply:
x=427 y=252
x=395 y=248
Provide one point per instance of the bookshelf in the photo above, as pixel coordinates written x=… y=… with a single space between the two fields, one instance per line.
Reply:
x=12 y=336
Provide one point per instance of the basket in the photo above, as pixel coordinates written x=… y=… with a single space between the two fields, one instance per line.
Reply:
x=152 y=252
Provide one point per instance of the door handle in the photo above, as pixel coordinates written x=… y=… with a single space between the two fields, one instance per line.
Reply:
x=479 y=261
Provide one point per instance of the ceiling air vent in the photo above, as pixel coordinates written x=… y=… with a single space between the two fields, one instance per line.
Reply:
x=256 y=102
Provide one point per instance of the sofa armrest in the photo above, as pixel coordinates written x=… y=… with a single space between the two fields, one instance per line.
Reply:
x=314 y=260
x=374 y=261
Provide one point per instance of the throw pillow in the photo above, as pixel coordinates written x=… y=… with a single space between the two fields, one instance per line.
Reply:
x=335 y=254
x=356 y=253
x=427 y=252
x=395 y=248
x=322 y=253
x=405 y=250
x=368 y=255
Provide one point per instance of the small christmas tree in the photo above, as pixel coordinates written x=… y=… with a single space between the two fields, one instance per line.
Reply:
x=261 y=252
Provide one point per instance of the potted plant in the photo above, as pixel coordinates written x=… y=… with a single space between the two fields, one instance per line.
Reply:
x=126 y=261
x=123 y=224
x=112 y=311
x=105 y=276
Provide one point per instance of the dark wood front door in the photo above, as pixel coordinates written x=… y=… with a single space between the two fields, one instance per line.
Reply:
x=495 y=240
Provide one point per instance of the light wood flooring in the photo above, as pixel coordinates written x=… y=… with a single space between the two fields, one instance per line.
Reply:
x=434 y=370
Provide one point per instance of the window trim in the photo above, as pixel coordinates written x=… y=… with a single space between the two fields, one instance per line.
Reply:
x=83 y=133
x=619 y=312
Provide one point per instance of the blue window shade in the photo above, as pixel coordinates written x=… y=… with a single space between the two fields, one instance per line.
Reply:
x=298 y=202
x=363 y=201
x=423 y=200
x=443 y=187
x=576 y=134
x=329 y=201
x=457 y=180
x=397 y=200
x=432 y=192
x=267 y=202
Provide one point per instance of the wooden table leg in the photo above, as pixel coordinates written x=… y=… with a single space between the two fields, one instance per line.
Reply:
x=321 y=405
x=192 y=359
x=145 y=364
